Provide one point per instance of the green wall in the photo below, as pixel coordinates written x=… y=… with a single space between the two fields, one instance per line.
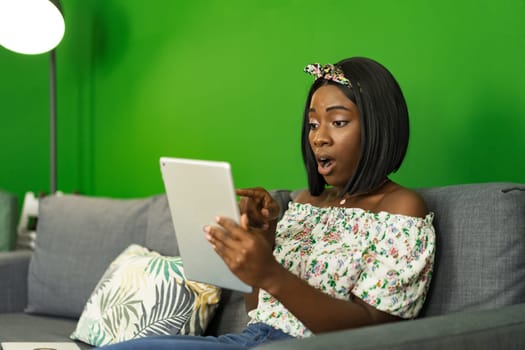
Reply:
x=223 y=80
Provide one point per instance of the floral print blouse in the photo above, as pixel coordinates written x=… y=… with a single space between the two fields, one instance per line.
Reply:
x=384 y=259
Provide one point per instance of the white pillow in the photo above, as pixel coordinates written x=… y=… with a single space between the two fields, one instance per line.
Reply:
x=143 y=293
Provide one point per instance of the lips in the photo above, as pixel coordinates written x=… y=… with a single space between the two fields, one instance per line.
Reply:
x=325 y=165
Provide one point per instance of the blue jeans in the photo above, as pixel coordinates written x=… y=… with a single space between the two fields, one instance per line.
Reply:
x=253 y=335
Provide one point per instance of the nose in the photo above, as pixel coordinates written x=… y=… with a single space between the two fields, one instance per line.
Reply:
x=321 y=137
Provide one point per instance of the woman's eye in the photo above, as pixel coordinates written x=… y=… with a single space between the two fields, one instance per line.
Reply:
x=313 y=125
x=340 y=123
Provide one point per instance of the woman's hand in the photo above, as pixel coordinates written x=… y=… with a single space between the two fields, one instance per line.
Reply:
x=261 y=209
x=245 y=250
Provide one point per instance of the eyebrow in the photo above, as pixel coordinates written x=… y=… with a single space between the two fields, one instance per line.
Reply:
x=332 y=108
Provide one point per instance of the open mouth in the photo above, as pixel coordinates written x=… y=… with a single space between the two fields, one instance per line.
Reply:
x=325 y=165
x=324 y=162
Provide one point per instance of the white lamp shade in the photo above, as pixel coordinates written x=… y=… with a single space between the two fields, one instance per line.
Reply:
x=30 y=26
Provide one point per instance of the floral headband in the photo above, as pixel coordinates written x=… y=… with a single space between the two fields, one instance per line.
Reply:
x=328 y=72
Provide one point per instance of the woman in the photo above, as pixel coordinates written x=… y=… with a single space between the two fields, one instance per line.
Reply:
x=355 y=249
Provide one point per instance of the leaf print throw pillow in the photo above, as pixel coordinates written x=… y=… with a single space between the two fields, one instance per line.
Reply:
x=143 y=293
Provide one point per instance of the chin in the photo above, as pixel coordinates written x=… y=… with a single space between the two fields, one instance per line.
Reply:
x=334 y=182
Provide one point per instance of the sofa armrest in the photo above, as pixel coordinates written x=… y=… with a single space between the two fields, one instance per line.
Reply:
x=13 y=280
x=502 y=328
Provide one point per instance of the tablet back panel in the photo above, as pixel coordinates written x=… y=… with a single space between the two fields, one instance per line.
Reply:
x=197 y=192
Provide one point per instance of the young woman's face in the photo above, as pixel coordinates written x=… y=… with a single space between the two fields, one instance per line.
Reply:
x=335 y=134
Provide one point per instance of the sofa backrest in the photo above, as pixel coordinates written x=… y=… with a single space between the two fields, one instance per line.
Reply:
x=78 y=237
x=480 y=257
x=480 y=242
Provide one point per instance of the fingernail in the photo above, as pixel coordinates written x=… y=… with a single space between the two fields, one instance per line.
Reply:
x=208 y=237
x=206 y=228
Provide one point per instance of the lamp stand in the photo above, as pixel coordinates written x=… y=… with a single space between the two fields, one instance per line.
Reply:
x=53 y=121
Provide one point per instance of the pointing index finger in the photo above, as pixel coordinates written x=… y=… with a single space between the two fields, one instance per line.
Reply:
x=250 y=192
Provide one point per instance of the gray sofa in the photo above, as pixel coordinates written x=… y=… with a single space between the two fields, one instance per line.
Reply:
x=8 y=218
x=476 y=300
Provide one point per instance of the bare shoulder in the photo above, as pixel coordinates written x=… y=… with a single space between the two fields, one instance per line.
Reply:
x=303 y=197
x=404 y=201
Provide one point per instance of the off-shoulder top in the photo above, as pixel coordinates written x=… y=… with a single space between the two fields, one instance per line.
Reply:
x=384 y=259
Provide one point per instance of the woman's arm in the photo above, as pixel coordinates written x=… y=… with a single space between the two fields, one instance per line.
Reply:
x=318 y=311
x=249 y=255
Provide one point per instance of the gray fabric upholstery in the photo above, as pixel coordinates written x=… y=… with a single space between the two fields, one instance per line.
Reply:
x=77 y=238
x=160 y=235
x=13 y=280
x=231 y=316
x=33 y=328
x=8 y=220
x=480 y=260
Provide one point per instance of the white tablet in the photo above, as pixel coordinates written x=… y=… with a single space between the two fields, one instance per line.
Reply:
x=197 y=192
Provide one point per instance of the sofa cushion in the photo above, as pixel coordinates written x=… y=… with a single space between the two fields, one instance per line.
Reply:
x=143 y=293
x=22 y=327
x=160 y=235
x=231 y=315
x=8 y=218
x=480 y=259
x=77 y=238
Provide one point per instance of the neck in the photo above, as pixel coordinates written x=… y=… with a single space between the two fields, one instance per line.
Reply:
x=347 y=197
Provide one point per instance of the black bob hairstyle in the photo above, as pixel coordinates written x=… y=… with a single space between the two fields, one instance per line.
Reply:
x=384 y=126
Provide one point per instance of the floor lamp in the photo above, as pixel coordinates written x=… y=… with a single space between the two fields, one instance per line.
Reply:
x=34 y=27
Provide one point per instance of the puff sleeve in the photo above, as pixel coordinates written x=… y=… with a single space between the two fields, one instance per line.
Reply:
x=397 y=265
